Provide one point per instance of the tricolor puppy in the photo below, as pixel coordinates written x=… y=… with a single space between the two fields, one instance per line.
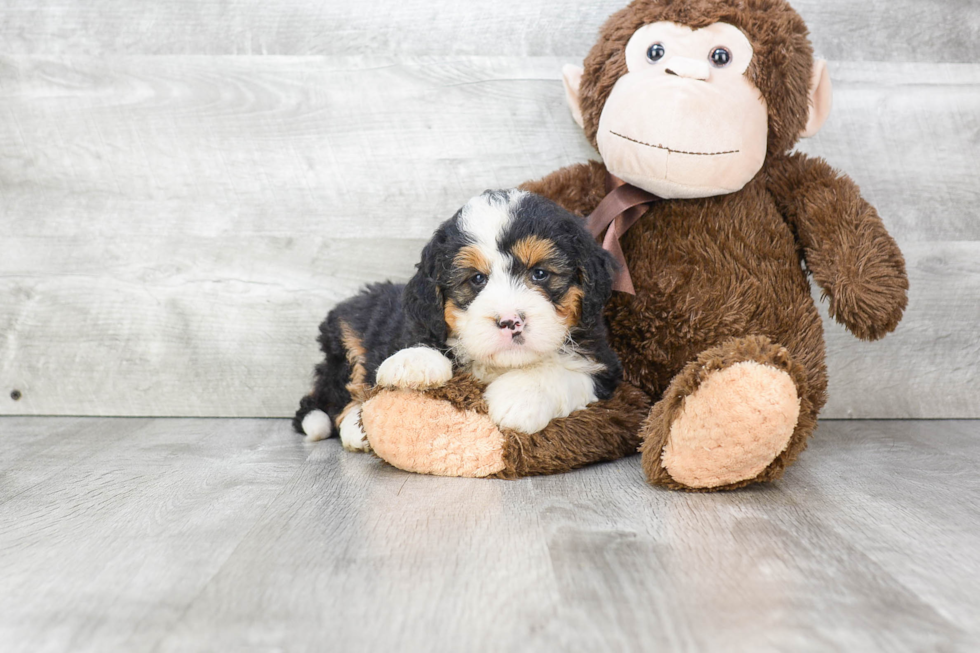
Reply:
x=510 y=289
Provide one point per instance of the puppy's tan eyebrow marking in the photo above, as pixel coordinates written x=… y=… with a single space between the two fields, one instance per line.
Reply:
x=470 y=256
x=532 y=250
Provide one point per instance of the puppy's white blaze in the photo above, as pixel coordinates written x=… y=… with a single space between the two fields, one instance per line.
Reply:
x=527 y=399
x=352 y=436
x=485 y=217
x=316 y=426
x=415 y=367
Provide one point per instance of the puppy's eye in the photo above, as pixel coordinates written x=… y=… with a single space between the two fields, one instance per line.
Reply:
x=656 y=52
x=539 y=275
x=478 y=280
x=721 y=57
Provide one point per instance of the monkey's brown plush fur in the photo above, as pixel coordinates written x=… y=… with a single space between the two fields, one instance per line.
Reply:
x=718 y=280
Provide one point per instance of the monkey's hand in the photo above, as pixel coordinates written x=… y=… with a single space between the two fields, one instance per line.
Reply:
x=447 y=431
x=846 y=247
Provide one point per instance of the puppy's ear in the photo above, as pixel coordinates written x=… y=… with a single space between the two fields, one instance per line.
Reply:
x=596 y=274
x=423 y=300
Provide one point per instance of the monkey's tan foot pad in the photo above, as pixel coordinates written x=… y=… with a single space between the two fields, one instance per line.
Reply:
x=732 y=427
x=427 y=435
x=726 y=420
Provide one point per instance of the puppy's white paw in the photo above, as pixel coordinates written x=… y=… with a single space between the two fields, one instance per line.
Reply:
x=516 y=404
x=316 y=426
x=415 y=367
x=527 y=400
x=352 y=436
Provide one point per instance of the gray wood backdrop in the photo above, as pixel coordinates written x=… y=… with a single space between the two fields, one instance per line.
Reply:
x=186 y=188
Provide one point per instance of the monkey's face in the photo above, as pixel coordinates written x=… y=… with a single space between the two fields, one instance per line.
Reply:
x=684 y=97
x=685 y=121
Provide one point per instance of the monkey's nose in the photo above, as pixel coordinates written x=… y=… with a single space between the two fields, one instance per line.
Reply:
x=687 y=67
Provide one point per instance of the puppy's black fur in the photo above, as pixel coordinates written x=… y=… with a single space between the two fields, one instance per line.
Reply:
x=385 y=318
x=376 y=317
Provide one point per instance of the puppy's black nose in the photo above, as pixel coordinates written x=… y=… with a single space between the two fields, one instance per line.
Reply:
x=511 y=322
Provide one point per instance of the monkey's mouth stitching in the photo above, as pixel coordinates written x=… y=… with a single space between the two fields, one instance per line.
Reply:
x=662 y=147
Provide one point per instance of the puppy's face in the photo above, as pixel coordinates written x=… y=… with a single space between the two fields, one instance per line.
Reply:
x=514 y=278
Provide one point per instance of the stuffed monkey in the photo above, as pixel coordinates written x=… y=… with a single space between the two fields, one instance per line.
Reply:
x=694 y=107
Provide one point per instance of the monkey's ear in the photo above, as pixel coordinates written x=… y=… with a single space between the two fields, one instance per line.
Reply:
x=821 y=98
x=571 y=76
x=423 y=302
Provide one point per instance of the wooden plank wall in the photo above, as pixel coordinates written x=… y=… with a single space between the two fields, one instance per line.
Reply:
x=186 y=188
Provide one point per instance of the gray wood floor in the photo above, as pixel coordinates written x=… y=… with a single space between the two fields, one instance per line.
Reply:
x=230 y=535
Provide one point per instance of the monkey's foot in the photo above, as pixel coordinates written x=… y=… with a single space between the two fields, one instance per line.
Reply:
x=731 y=418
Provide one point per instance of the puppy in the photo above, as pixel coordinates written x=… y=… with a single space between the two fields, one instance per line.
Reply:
x=510 y=289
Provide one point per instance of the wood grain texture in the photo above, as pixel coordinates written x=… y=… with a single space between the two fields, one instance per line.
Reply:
x=359 y=146
x=176 y=326
x=203 y=535
x=859 y=30
x=930 y=366
x=111 y=528
x=175 y=227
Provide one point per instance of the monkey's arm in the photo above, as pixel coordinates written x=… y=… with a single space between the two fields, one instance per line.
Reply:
x=845 y=245
x=578 y=188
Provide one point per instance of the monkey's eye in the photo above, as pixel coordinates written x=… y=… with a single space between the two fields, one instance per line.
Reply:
x=656 y=52
x=478 y=280
x=721 y=57
x=538 y=275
